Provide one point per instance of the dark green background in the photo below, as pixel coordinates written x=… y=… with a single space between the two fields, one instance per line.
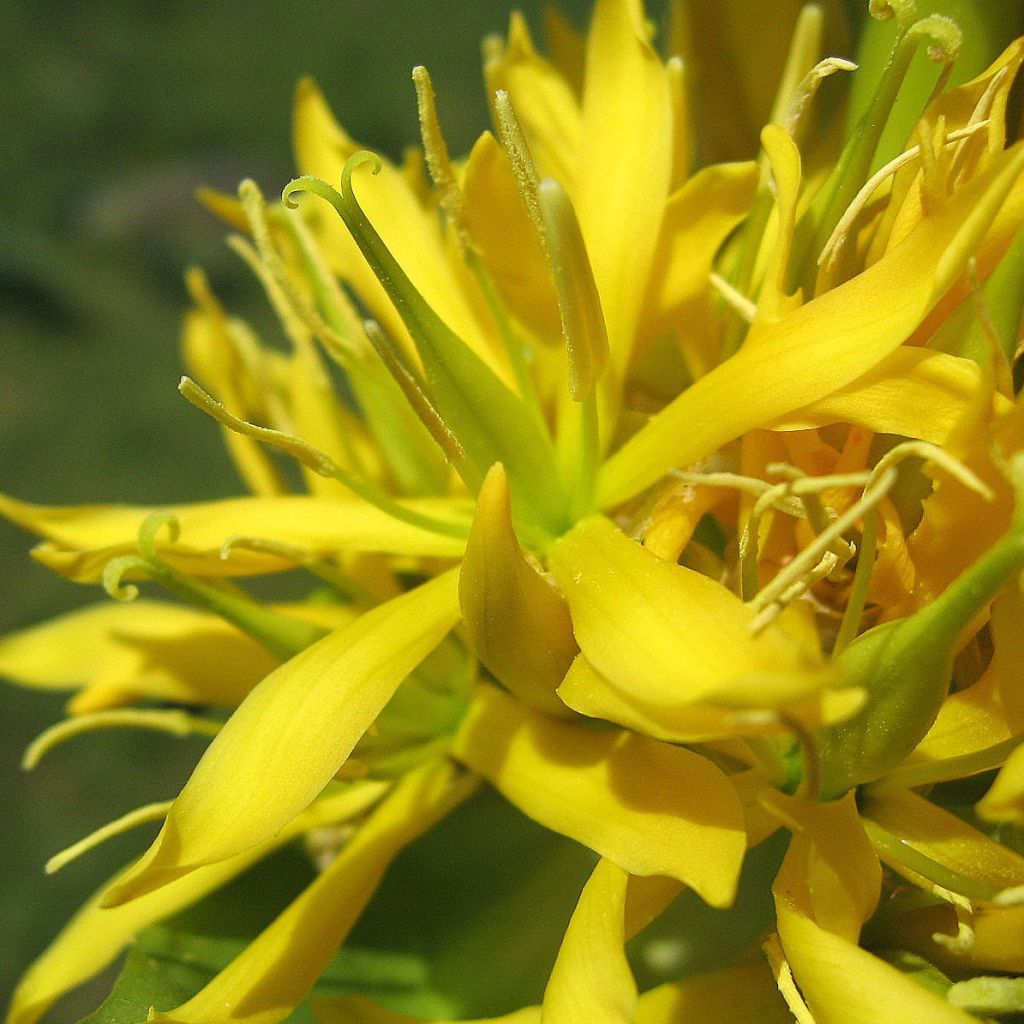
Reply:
x=112 y=114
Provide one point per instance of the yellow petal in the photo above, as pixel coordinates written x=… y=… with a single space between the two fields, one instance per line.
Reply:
x=143 y=649
x=543 y=101
x=668 y=636
x=585 y=690
x=831 y=869
x=82 y=539
x=738 y=995
x=698 y=218
x=276 y=971
x=652 y=808
x=410 y=231
x=292 y=733
x=920 y=827
x=844 y=984
x=95 y=935
x=1005 y=800
x=504 y=601
x=506 y=240
x=625 y=164
x=818 y=348
x=913 y=392
x=591 y=982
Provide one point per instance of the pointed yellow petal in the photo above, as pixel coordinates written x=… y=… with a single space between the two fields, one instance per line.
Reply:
x=1005 y=800
x=276 y=971
x=504 y=600
x=410 y=231
x=831 y=869
x=543 y=101
x=913 y=392
x=591 y=982
x=95 y=935
x=844 y=984
x=819 y=347
x=506 y=240
x=698 y=219
x=292 y=733
x=652 y=808
x=82 y=539
x=625 y=164
x=667 y=636
x=143 y=649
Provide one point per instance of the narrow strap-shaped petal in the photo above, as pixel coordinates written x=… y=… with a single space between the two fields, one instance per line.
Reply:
x=292 y=733
x=819 y=347
x=95 y=935
x=84 y=538
x=151 y=648
x=625 y=164
x=913 y=392
x=276 y=971
x=591 y=982
x=652 y=808
x=504 y=600
x=667 y=635
x=844 y=984
x=1005 y=800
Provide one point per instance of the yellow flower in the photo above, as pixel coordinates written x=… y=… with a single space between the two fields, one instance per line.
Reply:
x=630 y=459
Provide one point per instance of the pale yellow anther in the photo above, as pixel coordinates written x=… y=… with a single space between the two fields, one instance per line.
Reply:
x=583 y=326
x=436 y=150
x=802 y=96
x=518 y=150
x=140 y=816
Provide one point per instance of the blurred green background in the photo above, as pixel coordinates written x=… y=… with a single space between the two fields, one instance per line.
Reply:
x=113 y=114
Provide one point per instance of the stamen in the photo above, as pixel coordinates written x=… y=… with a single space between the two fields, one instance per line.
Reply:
x=803 y=95
x=830 y=250
x=583 y=326
x=438 y=161
x=964 y=910
x=735 y=299
x=810 y=555
x=527 y=178
x=174 y=723
x=414 y=390
x=933 y=453
x=140 y=816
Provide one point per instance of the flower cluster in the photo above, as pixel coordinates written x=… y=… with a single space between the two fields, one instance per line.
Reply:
x=679 y=502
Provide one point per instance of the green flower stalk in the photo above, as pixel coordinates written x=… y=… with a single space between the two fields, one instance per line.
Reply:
x=667 y=507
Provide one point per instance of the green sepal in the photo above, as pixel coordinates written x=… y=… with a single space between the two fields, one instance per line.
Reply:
x=491 y=422
x=905 y=666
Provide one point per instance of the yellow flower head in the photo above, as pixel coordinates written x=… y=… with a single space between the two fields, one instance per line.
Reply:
x=679 y=501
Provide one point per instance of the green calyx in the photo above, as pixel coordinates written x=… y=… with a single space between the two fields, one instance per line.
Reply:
x=490 y=421
x=905 y=667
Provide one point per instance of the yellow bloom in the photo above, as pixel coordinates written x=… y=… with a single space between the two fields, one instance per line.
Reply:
x=651 y=516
